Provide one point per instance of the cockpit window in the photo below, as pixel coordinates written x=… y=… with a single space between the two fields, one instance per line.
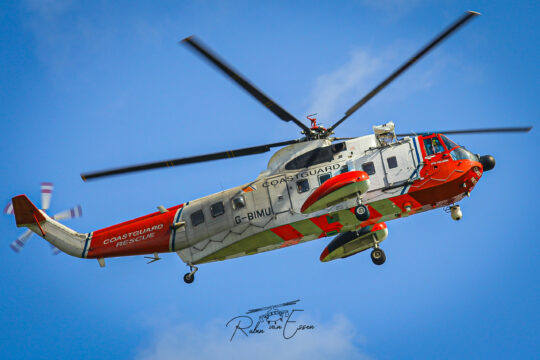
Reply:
x=448 y=143
x=433 y=146
x=316 y=156
x=463 y=154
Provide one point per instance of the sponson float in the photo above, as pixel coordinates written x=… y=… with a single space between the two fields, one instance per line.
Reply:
x=314 y=187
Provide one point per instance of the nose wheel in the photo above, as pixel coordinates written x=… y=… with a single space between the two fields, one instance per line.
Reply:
x=190 y=276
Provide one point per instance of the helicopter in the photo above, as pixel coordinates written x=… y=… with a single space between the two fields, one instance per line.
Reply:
x=313 y=187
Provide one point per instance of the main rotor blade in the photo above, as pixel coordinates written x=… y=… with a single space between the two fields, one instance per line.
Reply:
x=188 y=160
x=473 y=131
x=462 y=20
x=234 y=75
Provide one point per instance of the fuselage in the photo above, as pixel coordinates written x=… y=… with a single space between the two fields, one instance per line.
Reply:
x=406 y=177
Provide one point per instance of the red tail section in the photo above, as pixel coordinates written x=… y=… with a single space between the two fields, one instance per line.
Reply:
x=144 y=235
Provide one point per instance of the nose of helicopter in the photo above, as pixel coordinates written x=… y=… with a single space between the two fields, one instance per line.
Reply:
x=488 y=162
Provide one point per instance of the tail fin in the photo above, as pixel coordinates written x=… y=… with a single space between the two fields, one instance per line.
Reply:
x=62 y=237
x=25 y=212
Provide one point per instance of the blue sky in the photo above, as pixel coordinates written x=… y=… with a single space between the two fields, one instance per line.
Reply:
x=87 y=86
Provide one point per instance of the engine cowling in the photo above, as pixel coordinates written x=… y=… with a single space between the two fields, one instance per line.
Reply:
x=353 y=242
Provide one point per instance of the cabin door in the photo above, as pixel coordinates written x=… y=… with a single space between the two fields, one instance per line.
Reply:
x=398 y=162
x=278 y=193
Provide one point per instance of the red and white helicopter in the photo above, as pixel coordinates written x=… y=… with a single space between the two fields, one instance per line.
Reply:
x=317 y=186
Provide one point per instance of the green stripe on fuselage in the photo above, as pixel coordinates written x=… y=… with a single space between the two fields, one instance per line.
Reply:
x=307 y=227
x=248 y=245
x=385 y=207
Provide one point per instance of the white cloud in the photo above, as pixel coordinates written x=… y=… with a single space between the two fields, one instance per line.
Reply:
x=335 y=92
x=338 y=88
x=334 y=339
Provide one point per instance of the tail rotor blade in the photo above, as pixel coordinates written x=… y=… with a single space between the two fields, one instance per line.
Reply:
x=46 y=193
x=74 y=212
x=9 y=208
x=19 y=243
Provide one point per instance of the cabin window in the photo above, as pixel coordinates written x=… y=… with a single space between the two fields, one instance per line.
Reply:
x=324 y=177
x=392 y=162
x=197 y=218
x=344 y=169
x=302 y=186
x=238 y=202
x=217 y=209
x=369 y=168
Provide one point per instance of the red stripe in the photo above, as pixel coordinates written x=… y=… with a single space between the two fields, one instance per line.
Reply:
x=287 y=232
x=327 y=224
x=401 y=200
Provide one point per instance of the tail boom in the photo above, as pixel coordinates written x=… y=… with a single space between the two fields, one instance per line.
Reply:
x=144 y=235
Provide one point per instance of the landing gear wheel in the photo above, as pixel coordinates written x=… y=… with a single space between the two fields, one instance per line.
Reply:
x=361 y=212
x=188 y=278
x=378 y=256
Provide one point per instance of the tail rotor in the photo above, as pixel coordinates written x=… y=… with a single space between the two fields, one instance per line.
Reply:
x=46 y=194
